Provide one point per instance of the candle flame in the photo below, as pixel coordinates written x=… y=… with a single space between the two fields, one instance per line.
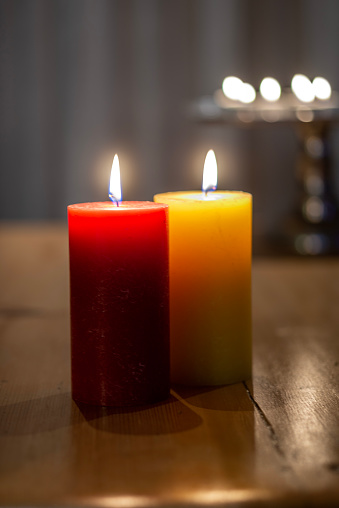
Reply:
x=210 y=175
x=114 y=190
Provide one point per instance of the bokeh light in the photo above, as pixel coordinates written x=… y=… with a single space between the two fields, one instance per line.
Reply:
x=270 y=89
x=322 y=88
x=302 y=88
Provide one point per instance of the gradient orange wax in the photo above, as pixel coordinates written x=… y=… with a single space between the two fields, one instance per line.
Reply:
x=210 y=286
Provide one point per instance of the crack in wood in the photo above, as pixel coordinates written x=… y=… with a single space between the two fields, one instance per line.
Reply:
x=267 y=423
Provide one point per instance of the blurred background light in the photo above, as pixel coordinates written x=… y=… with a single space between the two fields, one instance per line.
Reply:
x=247 y=93
x=270 y=89
x=304 y=114
x=232 y=87
x=322 y=88
x=311 y=244
x=302 y=88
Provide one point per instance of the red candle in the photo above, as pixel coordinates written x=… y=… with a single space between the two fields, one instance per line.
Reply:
x=119 y=302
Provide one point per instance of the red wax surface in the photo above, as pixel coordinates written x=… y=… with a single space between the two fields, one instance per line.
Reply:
x=119 y=302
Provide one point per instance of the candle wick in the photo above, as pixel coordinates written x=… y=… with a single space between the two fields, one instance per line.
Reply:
x=210 y=188
x=113 y=199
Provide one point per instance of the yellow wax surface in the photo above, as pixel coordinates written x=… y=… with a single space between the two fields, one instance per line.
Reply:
x=210 y=241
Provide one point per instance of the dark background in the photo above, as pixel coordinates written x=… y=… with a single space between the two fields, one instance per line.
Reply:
x=84 y=79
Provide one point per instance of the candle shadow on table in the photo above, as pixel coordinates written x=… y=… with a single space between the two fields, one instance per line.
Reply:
x=165 y=417
x=223 y=398
x=34 y=416
x=230 y=417
x=46 y=414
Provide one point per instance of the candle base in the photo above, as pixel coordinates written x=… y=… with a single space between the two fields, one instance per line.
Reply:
x=209 y=380
x=223 y=372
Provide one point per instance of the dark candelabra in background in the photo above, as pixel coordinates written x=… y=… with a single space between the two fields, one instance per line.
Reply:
x=312 y=228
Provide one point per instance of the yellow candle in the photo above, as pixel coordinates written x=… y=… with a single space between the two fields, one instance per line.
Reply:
x=210 y=286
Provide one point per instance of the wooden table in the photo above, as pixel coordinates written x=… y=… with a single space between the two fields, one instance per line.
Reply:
x=271 y=443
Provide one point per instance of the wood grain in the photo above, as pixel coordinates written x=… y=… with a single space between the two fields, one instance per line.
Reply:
x=272 y=441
